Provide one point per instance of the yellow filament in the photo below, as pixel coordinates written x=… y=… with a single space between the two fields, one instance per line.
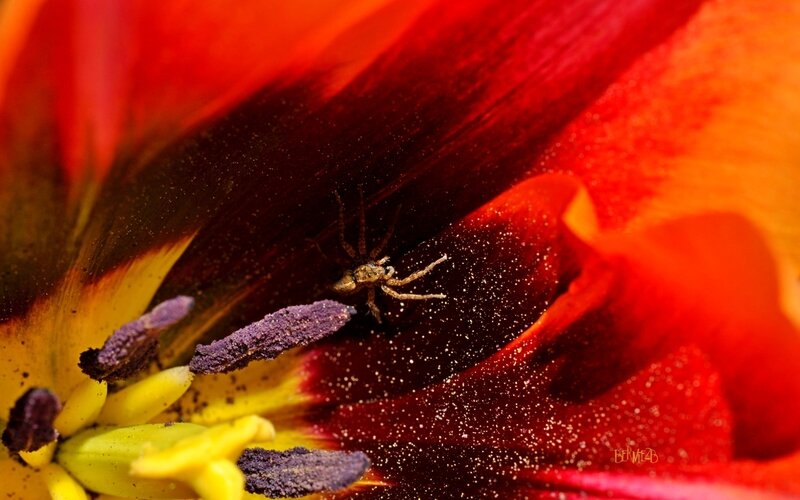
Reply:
x=218 y=442
x=61 y=485
x=140 y=402
x=82 y=407
x=219 y=480
x=100 y=459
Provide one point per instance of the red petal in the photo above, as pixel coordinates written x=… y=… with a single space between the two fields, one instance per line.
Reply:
x=709 y=281
x=700 y=123
x=672 y=339
x=709 y=485
x=87 y=84
x=128 y=76
x=487 y=425
x=417 y=119
x=499 y=278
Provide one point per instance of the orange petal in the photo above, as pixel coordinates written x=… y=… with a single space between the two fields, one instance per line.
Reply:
x=706 y=121
x=128 y=76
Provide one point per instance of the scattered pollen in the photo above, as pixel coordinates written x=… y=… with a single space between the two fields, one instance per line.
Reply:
x=131 y=348
x=265 y=339
x=30 y=423
x=298 y=472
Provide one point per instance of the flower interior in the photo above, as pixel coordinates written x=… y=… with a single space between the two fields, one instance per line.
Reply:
x=113 y=435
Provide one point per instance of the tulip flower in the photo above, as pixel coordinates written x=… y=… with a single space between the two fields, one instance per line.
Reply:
x=399 y=248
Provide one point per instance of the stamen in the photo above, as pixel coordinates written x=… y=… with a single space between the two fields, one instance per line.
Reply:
x=140 y=402
x=265 y=339
x=30 y=422
x=82 y=407
x=61 y=484
x=299 y=471
x=131 y=348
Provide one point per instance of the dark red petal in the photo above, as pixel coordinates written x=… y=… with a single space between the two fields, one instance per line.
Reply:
x=674 y=339
x=499 y=276
x=440 y=106
x=87 y=87
x=710 y=281
x=487 y=425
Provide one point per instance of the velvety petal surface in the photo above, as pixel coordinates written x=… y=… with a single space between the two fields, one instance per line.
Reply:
x=395 y=132
x=709 y=281
x=499 y=278
x=712 y=481
x=91 y=91
x=706 y=121
x=222 y=207
x=636 y=352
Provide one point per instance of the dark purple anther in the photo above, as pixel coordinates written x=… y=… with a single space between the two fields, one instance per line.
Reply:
x=132 y=347
x=30 y=422
x=299 y=471
x=265 y=339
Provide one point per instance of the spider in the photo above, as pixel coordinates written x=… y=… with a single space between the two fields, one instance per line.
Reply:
x=372 y=272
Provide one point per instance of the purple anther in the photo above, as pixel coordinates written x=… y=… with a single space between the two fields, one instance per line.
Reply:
x=265 y=339
x=30 y=422
x=168 y=313
x=298 y=472
x=131 y=348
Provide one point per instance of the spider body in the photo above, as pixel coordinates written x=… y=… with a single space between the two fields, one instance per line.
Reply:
x=374 y=274
x=369 y=275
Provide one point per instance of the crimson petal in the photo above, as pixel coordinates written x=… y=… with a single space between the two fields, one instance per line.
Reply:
x=405 y=141
x=507 y=261
x=709 y=280
x=636 y=353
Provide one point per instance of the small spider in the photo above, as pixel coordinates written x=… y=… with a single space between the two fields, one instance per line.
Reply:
x=371 y=272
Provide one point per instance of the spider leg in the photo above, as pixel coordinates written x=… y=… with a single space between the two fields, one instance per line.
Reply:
x=348 y=248
x=362 y=224
x=385 y=240
x=337 y=259
x=373 y=308
x=389 y=271
x=315 y=245
x=417 y=274
x=411 y=296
